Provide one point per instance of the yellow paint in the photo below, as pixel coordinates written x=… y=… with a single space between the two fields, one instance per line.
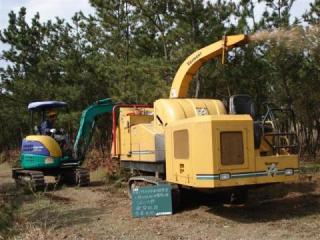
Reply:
x=192 y=63
x=171 y=110
x=195 y=126
x=51 y=144
x=204 y=137
x=144 y=141
x=136 y=141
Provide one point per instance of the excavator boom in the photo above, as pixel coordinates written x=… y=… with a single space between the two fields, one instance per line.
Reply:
x=87 y=124
x=191 y=65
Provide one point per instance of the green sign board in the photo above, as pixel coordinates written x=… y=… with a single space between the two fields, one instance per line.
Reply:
x=151 y=201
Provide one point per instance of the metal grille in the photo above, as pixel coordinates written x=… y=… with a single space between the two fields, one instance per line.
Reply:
x=231 y=146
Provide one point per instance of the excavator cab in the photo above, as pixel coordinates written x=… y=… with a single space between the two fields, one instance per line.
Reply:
x=44 y=118
x=44 y=147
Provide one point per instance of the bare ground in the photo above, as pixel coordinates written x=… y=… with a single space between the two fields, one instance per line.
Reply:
x=103 y=211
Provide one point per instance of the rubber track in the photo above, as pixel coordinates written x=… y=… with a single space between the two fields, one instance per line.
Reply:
x=36 y=179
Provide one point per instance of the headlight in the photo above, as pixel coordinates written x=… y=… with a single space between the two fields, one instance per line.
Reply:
x=224 y=176
x=288 y=171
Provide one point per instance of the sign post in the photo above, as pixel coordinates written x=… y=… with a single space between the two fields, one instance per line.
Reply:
x=151 y=201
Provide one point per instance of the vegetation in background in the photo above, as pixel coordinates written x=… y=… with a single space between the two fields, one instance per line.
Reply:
x=130 y=51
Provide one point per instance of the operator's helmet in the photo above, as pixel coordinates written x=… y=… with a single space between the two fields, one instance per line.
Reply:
x=52 y=113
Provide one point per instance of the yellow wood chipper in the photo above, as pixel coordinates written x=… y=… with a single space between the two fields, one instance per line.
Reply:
x=201 y=143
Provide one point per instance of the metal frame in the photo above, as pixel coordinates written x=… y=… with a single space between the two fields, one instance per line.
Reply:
x=114 y=120
x=292 y=136
x=42 y=112
x=152 y=167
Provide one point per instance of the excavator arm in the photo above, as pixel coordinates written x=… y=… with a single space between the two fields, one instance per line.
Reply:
x=87 y=124
x=191 y=65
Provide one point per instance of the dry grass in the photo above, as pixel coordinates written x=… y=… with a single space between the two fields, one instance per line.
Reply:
x=94 y=213
x=6 y=217
x=11 y=157
x=295 y=39
x=36 y=218
x=97 y=159
x=8 y=203
x=103 y=212
x=30 y=231
x=25 y=215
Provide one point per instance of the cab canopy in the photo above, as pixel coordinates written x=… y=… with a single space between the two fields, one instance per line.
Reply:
x=43 y=105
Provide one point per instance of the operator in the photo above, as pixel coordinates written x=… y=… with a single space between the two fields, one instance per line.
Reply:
x=48 y=124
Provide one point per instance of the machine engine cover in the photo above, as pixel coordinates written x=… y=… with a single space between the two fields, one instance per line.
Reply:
x=34 y=147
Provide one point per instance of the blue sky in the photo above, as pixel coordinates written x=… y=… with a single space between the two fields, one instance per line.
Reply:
x=48 y=9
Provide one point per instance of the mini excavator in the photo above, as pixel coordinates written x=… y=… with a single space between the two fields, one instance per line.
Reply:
x=47 y=154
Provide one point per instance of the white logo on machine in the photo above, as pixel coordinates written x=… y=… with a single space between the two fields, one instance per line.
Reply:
x=202 y=111
x=272 y=169
x=37 y=148
x=173 y=93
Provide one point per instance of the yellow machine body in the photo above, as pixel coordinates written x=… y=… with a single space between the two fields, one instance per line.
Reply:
x=202 y=146
x=199 y=143
x=49 y=143
x=218 y=151
x=137 y=139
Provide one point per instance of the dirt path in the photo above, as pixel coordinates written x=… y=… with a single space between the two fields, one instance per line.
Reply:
x=103 y=212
